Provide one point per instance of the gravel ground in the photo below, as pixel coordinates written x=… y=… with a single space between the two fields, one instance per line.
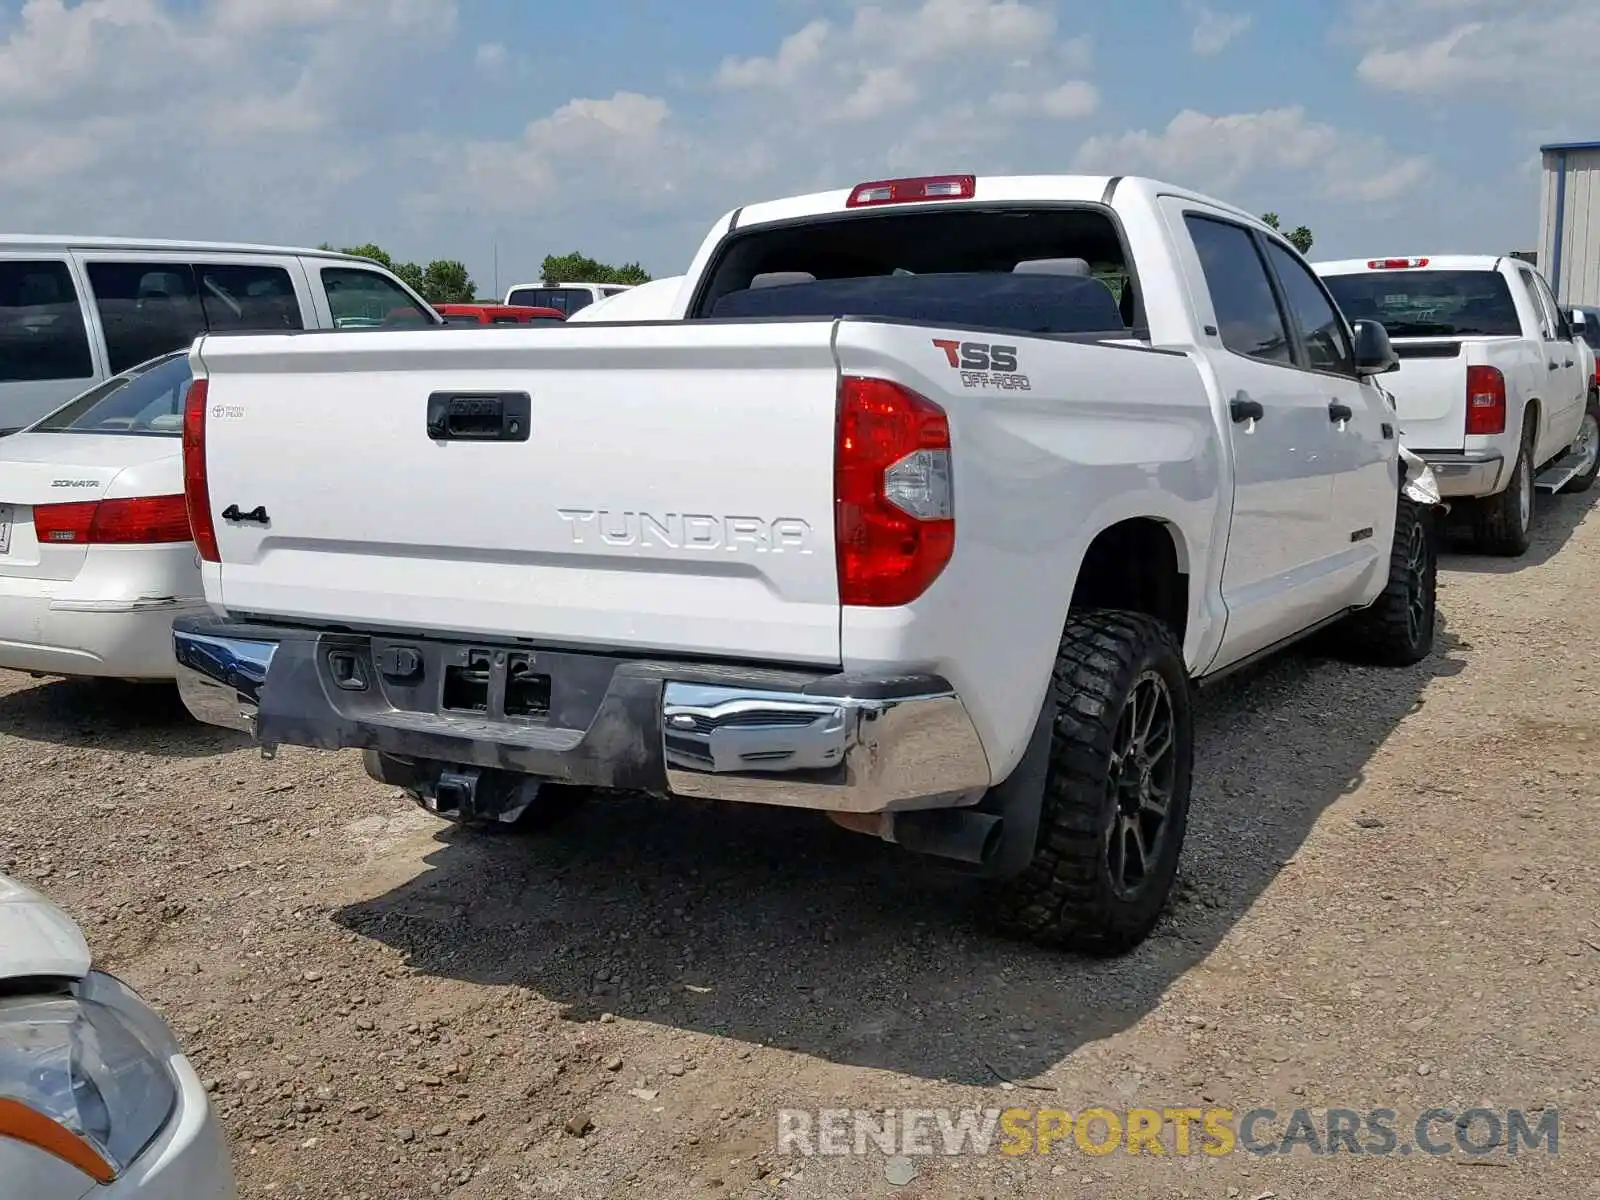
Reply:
x=1389 y=901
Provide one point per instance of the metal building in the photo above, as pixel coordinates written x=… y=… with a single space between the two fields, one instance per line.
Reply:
x=1569 y=225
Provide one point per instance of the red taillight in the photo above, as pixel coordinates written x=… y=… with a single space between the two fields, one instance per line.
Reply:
x=138 y=521
x=1486 y=400
x=894 y=511
x=1395 y=264
x=196 y=491
x=912 y=191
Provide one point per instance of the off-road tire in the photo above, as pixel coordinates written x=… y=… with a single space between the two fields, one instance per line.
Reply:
x=553 y=803
x=1398 y=629
x=1579 y=484
x=1498 y=527
x=1066 y=897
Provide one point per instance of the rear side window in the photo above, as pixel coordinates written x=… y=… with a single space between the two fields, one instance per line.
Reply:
x=1317 y=322
x=1412 y=303
x=146 y=309
x=361 y=299
x=567 y=300
x=1591 y=327
x=148 y=401
x=247 y=296
x=1248 y=318
x=42 y=335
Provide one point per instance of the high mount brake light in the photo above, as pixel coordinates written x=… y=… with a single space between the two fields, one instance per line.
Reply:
x=1395 y=264
x=196 y=488
x=137 y=521
x=912 y=191
x=894 y=510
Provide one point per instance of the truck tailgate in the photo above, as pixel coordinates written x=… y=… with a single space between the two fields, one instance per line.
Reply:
x=672 y=489
x=1430 y=389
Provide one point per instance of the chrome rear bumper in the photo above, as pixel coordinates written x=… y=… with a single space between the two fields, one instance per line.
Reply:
x=1463 y=473
x=220 y=678
x=850 y=744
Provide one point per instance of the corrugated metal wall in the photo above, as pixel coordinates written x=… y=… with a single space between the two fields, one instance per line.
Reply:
x=1578 y=279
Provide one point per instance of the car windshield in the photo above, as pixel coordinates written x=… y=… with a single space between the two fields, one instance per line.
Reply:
x=1429 y=303
x=145 y=401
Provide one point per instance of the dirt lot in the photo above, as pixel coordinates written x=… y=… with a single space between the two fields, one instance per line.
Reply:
x=1391 y=900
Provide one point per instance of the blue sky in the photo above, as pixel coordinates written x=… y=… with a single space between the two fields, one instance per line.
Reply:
x=442 y=128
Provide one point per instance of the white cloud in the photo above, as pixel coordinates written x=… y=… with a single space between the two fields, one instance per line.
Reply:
x=795 y=54
x=1222 y=154
x=1066 y=102
x=1536 y=55
x=1214 y=31
x=305 y=120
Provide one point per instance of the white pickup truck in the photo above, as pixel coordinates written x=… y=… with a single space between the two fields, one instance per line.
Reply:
x=926 y=511
x=1494 y=393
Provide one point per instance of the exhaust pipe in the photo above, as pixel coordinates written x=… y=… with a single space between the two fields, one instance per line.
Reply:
x=959 y=833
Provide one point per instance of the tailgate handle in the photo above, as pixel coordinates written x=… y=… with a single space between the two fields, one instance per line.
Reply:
x=479 y=416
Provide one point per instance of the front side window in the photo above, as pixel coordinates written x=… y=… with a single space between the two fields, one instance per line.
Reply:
x=148 y=400
x=1248 y=318
x=1559 y=325
x=146 y=309
x=42 y=335
x=1327 y=347
x=247 y=296
x=362 y=299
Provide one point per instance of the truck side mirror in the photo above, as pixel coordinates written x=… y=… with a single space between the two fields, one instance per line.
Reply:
x=1577 y=318
x=1374 y=354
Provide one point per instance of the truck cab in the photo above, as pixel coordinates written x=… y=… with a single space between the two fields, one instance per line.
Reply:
x=1492 y=390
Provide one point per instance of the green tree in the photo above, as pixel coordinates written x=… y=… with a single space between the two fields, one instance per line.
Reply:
x=443 y=281
x=575 y=268
x=413 y=277
x=1300 y=237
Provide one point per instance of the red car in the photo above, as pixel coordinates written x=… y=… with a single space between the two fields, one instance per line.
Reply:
x=497 y=314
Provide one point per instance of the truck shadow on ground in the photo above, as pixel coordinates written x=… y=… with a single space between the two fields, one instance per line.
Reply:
x=775 y=927
x=1555 y=520
x=108 y=714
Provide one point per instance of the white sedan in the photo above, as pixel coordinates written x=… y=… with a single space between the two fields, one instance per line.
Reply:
x=96 y=558
x=95 y=1095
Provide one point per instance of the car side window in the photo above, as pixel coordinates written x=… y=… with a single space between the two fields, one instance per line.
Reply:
x=1558 y=317
x=42 y=334
x=1248 y=318
x=1321 y=329
x=1547 y=318
x=146 y=309
x=247 y=296
x=361 y=299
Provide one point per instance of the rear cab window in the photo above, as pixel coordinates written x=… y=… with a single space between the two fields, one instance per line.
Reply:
x=363 y=299
x=147 y=401
x=1429 y=303
x=42 y=332
x=1042 y=270
x=567 y=300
